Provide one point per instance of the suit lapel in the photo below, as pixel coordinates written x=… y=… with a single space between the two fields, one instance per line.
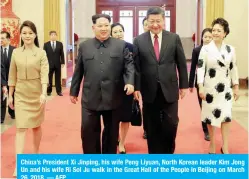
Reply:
x=1 y=52
x=56 y=44
x=164 y=44
x=4 y=60
x=150 y=45
x=10 y=52
x=217 y=53
x=50 y=46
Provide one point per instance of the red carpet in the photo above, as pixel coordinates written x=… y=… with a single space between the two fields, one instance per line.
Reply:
x=61 y=133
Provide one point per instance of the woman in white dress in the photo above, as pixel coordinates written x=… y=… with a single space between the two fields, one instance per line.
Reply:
x=217 y=74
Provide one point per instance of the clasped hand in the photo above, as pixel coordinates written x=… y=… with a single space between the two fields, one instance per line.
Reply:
x=129 y=89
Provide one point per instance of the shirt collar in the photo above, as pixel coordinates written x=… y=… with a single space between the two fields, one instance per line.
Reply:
x=99 y=44
x=159 y=35
x=7 y=47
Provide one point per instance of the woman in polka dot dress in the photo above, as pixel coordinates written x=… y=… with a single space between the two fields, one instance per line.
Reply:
x=217 y=74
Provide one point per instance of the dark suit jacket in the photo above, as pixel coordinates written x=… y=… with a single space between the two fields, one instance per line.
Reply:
x=3 y=82
x=7 y=63
x=106 y=68
x=149 y=71
x=55 y=58
x=192 y=75
x=3 y=76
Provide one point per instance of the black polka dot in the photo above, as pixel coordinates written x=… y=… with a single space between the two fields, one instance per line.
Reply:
x=209 y=98
x=220 y=87
x=207 y=120
x=216 y=113
x=228 y=96
x=200 y=63
x=228 y=48
x=220 y=63
x=227 y=74
x=212 y=72
x=227 y=119
x=231 y=66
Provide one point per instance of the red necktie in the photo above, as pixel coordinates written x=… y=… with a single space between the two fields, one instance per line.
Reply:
x=156 y=47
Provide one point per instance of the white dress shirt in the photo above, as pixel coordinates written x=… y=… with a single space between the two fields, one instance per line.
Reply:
x=7 y=51
x=53 y=43
x=159 y=39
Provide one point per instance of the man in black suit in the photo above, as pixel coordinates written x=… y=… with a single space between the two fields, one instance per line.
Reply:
x=4 y=92
x=55 y=54
x=6 y=53
x=108 y=70
x=158 y=53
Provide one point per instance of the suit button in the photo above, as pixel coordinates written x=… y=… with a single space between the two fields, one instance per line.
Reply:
x=101 y=71
x=101 y=52
x=101 y=62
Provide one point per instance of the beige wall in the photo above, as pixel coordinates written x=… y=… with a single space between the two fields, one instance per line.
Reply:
x=186 y=17
x=33 y=11
x=203 y=6
x=236 y=13
x=63 y=39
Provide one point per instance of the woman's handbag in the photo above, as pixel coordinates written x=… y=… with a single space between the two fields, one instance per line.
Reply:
x=136 y=116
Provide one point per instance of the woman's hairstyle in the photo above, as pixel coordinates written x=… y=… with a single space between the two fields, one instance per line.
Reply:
x=223 y=23
x=203 y=32
x=116 y=24
x=32 y=26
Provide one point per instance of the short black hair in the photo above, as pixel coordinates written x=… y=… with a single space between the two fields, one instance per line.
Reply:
x=156 y=11
x=144 y=20
x=203 y=32
x=116 y=24
x=7 y=34
x=52 y=32
x=223 y=23
x=97 y=16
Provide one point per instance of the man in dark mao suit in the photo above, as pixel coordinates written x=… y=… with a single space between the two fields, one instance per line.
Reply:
x=108 y=70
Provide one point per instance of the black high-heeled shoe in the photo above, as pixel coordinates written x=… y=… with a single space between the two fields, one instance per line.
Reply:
x=123 y=152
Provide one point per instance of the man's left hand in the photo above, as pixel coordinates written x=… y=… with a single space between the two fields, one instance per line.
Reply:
x=183 y=92
x=62 y=65
x=129 y=89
